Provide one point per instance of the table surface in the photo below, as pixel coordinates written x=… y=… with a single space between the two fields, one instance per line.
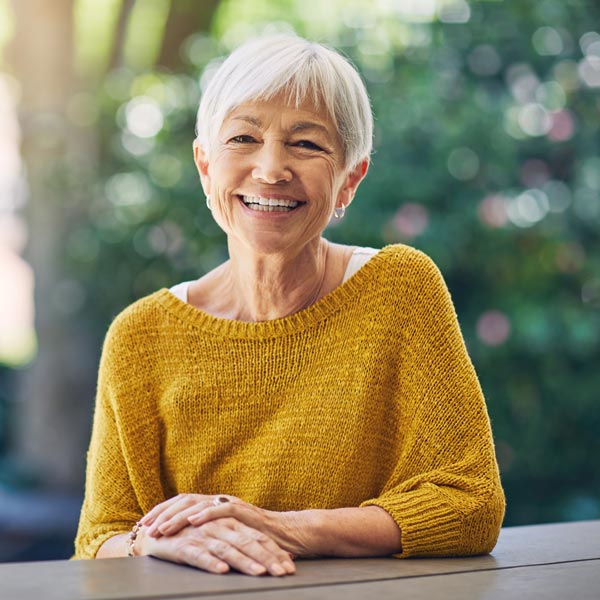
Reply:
x=538 y=561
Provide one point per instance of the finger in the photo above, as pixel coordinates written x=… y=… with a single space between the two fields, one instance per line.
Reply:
x=150 y=516
x=201 y=558
x=210 y=512
x=280 y=555
x=170 y=525
x=228 y=553
x=252 y=543
x=179 y=504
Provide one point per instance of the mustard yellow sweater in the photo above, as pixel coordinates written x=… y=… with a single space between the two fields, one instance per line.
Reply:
x=367 y=397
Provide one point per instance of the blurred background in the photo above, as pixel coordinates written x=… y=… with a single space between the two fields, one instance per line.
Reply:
x=487 y=157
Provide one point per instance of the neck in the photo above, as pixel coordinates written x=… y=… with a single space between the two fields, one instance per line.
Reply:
x=272 y=286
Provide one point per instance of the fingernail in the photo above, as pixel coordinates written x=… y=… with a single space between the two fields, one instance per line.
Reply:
x=277 y=569
x=257 y=569
x=290 y=567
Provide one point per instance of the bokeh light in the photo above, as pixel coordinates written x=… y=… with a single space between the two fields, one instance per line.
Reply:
x=522 y=82
x=586 y=205
x=558 y=194
x=463 y=163
x=547 y=41
x=534 y=119
x=411 y=220
x=493 y=328
x=454 y=11
x=484 y=61
x=528 y=208
x=143 y=117
x=551 y=95
x=589 y=71
x=492 y=211
x=562 y=126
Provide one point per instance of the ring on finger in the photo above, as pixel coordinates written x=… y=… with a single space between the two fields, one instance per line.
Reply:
x=220 y=500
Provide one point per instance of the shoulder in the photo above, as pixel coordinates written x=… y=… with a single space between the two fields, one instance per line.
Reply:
x=409 y=264
x=145 y=311
x=137 y=322
x=129 y=349
x=411 y=281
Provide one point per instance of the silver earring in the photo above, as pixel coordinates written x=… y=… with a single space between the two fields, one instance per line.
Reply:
x=208 y=202
x=339 y=213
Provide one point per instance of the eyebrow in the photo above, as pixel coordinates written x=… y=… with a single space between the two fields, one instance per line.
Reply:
x=252 y=120
x=297 y=127
x=304 y=125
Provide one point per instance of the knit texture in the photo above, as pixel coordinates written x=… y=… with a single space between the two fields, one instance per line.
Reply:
x=367 y=397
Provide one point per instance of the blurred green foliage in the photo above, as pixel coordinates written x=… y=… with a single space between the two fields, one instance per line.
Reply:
x=487 y=157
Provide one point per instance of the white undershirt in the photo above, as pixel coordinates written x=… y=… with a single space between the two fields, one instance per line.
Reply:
x=359 y=258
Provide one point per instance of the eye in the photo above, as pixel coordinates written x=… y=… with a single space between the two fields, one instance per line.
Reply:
x=308 y=145
x=242 y=139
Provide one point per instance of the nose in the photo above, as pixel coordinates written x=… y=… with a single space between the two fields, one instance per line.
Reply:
x=271 y=164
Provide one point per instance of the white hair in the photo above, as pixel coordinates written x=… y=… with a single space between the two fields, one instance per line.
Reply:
x=268 y=65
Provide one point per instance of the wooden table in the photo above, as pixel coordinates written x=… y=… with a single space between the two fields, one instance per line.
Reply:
x=559 y=561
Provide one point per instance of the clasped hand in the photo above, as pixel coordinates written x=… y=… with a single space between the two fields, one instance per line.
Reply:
x=193 y=529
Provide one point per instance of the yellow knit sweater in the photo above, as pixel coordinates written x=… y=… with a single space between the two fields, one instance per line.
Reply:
x=367 y=397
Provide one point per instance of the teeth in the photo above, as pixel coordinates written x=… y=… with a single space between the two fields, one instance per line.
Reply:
x=263 y=208
x=255 y=201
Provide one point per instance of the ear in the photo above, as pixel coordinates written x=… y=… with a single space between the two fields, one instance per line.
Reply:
x=201 y=160
x=353 y=179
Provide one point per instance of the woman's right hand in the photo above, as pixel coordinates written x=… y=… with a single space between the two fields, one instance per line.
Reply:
x=218 y=546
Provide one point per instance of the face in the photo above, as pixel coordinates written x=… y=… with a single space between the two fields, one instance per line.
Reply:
x=275 y=175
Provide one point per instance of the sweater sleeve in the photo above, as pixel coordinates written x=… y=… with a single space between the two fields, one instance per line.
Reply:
x=116 y=465
x=445 y=492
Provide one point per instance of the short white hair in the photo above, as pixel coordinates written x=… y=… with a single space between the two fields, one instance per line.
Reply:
x=265 y=66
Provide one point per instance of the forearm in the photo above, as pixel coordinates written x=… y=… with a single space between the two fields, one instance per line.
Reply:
x=349 y=532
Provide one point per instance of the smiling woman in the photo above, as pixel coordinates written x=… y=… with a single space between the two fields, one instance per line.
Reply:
x=303 y=398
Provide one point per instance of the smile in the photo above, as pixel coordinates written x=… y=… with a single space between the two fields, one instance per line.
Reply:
x=270 y=204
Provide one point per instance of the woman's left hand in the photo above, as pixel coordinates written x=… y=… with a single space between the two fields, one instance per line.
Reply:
x=173 y=515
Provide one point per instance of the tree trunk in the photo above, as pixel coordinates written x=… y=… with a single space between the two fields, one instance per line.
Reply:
x=116 y=59
x=55 y=392
x=185 y=18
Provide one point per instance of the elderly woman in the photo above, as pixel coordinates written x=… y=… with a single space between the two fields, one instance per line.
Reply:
x=304 y=398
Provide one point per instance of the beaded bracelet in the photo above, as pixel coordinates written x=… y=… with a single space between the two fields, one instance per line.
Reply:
x=132 y=537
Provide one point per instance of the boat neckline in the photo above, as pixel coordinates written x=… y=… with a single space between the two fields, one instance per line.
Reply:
x=307 y=317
